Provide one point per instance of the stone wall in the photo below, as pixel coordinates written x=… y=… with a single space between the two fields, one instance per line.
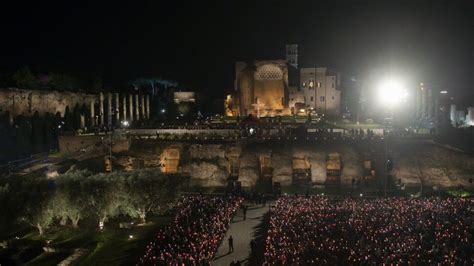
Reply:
x=74 y=144
x=433 y=166
x=101 y=108
x=207 y=164
x=27 y=102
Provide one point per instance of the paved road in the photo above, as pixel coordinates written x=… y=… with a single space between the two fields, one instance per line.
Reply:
x=242 y=232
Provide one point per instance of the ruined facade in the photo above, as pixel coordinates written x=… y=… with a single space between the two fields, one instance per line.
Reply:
x=260 y=88
x=101 y=109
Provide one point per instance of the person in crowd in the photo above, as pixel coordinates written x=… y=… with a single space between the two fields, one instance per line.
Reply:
x=353 y=231
x=244 y=209
x=192 y=238
x=231 y=244
x=253 y=246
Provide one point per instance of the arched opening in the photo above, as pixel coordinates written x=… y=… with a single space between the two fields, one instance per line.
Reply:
x=233 y=163
x=169 y=160
x=301 y=166
x=266 y=169
x=333 y=168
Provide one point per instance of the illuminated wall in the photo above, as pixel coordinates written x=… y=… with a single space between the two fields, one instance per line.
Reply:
x=262 y=87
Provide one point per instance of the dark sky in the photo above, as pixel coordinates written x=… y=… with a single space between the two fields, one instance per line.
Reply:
x=197 y=42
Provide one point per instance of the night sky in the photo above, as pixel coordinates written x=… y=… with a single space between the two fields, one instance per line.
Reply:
x=197 y=42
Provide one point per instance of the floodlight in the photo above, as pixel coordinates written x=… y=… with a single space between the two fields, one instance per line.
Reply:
x=392 y=92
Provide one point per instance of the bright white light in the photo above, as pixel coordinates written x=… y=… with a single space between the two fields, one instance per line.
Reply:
x=163 y=111
x=130 y=236
x=125 y=123
x=443 y=92
x=392 y=92
x=361 y=194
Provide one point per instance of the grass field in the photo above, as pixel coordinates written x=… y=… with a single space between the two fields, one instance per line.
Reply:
x=111 y=246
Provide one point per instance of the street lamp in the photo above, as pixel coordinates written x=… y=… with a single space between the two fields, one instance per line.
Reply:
x=125 y=123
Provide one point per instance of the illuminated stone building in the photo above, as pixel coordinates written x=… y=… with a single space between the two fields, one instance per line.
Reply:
x=260 y=88
x=318 y=91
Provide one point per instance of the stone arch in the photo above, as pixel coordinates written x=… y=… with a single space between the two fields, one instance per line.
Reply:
x=266 y=167
x=169 y=159
x=301 y=166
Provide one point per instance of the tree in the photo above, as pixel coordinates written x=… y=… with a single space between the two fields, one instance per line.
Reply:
x=68 y=119
x=77 y=112
x=37 y=132
x=5 y=203
x=61 y=207
x=24 y=79
x=36 y=203
x=49 y=129
x=71 y=198
x=148 y=192
x=23 y=136
x=64 y=82
x=102 y=198
x=152 y=83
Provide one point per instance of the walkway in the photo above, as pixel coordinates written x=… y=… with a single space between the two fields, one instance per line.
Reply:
x=242 y=232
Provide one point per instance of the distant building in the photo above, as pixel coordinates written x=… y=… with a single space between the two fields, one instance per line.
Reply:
x=260 y=88
x=278 y=87
x=184 y=97
x=459 y=118
x=292 y=55
x=318 y=91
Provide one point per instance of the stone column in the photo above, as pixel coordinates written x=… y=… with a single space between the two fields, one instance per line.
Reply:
x=130 y=105
x=82 y=121
x=143 y=107
x=137 y=108
x=117 y=109
x=109 y=109
x=124 y=107
x=148 y=106
x=101 y=109
x=92 y=113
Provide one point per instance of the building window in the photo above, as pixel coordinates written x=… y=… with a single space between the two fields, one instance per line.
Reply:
x=304 y=98
x=311 y=84
x=319 y=84
x=292 y=99
x=333 y=98
x=304 y=84
x=312 y=98
x=321 y=98
x=333 y=85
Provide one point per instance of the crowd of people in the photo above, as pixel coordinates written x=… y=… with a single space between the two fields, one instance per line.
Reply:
x=194 y=235
x=391 y=231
